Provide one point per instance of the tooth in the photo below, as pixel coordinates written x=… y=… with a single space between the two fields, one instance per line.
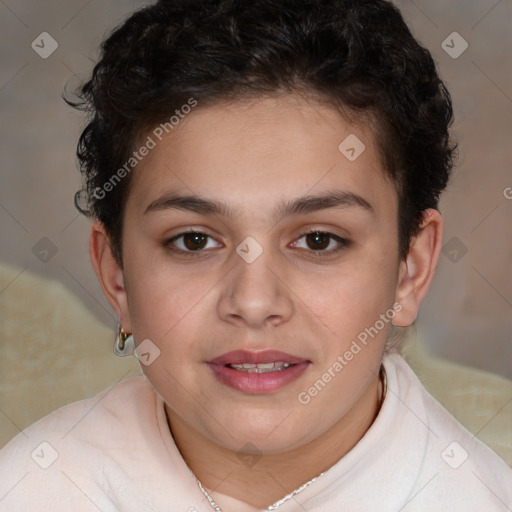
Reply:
x=260 y=367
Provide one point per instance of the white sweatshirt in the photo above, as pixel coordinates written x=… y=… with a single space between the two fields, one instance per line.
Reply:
x=115 y=452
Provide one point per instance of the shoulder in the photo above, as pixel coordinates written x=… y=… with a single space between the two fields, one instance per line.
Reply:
x=69 y=440
x=457 y=467
x=106 y=408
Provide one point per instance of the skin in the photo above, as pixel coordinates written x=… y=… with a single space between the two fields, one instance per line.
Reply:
x=253 y=155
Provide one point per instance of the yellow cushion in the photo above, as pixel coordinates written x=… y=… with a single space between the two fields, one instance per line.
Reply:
x=53 y=351
x=479 y=400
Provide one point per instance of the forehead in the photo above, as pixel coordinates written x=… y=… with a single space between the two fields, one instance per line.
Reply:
x=260 y=152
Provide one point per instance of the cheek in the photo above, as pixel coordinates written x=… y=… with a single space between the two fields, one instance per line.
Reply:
x=353 y=296
x=161 y=295
x=168 y=308
x=162 y=304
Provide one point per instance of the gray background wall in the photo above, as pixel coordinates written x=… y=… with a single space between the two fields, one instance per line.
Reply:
x=467 y=316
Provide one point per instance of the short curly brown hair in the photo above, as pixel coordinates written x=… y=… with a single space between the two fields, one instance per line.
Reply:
x=358 y=55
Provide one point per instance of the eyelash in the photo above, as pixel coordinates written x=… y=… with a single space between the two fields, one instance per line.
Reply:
x=343 y=243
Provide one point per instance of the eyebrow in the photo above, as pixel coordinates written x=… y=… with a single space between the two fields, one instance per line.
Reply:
x=339 y=199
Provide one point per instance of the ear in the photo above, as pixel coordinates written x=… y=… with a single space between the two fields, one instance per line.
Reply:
x=417 y=270
x=109 y=273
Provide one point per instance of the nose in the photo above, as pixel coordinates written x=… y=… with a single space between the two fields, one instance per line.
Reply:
x=255 y=294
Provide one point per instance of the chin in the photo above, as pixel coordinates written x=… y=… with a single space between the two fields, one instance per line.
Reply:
x=269 y=431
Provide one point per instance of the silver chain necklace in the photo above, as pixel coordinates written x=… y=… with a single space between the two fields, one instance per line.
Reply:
x=277 y=504
x=274 y=506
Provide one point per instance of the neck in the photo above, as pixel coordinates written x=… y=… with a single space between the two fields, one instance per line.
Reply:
x=274 y=475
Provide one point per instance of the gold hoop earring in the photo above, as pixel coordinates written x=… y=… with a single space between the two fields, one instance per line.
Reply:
x=124 y=344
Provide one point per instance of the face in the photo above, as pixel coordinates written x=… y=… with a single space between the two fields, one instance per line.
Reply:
x=285 y=251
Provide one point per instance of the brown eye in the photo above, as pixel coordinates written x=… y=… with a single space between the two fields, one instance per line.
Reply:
x=190 y=242
x=318 y=240
x=320 y=243
x=195 y=241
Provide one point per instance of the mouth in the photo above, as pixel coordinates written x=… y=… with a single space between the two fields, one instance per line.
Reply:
x=258 y=372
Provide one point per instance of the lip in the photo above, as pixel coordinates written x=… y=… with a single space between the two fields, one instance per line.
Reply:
x=257 y=383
